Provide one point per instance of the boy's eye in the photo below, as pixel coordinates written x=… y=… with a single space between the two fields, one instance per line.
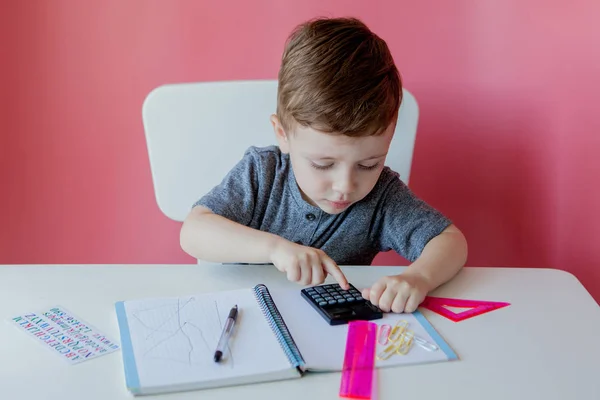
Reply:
x=368 y=167
x=319 y=166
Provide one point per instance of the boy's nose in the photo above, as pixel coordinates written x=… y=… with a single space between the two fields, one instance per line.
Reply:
x=344 y=184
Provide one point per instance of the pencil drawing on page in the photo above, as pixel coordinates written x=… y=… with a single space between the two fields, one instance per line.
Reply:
x=181 y=330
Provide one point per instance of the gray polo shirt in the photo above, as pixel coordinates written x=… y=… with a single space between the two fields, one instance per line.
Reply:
x=261 y=192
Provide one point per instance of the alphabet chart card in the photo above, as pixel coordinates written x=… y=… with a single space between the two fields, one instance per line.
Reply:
x=65 y=334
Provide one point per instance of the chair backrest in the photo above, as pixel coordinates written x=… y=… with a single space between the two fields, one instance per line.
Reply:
x=196 y=132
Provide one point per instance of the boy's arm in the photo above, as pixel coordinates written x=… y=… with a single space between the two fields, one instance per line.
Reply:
x=420 y=233
x=442 y=258
x=219 y=227
x=211 y=237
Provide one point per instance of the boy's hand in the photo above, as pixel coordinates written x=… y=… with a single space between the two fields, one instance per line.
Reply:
x=398 y=293
x=306 y=265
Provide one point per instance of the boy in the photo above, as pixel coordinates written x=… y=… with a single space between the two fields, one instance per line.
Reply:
x=323 y=196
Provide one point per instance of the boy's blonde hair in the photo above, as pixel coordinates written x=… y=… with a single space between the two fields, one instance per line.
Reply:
x=337 y=76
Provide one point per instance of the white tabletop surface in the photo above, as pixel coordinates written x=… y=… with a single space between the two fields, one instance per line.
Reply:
x=545 y=345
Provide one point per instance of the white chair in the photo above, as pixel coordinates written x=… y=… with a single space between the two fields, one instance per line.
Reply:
x=196 y=132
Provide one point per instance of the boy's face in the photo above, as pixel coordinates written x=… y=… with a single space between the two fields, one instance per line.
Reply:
x=334 y=171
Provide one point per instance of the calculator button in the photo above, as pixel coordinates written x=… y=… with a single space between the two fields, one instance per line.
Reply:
x=341 y=301
x=318 y=298
x=322 y=303
x=358 y=298
x=332 y=302
x=350 y=299
x=320 y=290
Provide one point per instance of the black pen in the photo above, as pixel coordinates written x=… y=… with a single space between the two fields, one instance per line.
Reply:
x=227 y=329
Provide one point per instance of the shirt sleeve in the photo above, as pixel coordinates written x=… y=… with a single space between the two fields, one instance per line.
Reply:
x=235 y=196
x=408 y=223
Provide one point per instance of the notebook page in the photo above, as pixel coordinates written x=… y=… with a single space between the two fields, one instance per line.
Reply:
x=174 y=339
x=322 y=346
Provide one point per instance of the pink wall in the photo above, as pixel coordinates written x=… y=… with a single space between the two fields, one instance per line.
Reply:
x=507 y=145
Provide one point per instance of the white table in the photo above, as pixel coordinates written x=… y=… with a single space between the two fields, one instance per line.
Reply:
x=546 y=345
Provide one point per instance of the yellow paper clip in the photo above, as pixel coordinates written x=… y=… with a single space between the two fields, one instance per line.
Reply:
x=405 y=343
x=398 y=330
x=387 y=352
x=401 y=346
x=401 y=340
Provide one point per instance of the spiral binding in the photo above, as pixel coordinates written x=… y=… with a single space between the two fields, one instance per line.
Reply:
x=278 y=325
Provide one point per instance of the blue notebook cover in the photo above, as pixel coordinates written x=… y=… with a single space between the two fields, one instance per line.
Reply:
x=131 y=375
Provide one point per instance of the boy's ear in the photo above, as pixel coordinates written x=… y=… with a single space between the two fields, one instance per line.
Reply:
x=280 y=134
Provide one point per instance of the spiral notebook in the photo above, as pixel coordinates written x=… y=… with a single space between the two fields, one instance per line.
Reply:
x=168 y=343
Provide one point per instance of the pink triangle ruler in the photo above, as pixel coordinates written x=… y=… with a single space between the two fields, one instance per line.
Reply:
x=477 y=307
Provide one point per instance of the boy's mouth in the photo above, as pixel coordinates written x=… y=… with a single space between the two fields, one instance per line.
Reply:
x=339 y=204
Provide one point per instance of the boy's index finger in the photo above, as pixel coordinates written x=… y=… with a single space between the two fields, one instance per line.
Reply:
x=332 y=268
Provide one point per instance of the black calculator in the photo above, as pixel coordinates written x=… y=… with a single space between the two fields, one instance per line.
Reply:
x=338 y=306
